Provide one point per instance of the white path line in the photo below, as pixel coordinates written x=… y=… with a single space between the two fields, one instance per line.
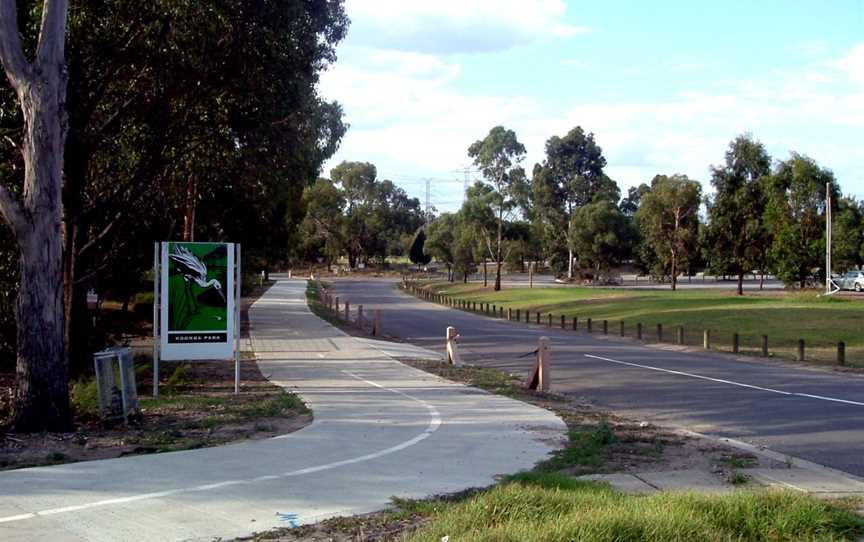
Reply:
x=433 y=425
x=730 y=382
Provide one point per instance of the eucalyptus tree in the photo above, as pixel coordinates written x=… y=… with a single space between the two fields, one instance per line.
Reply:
x=669 y=220
x=601 y=235
x=736 y=236
x=498 y=156
x=570 y=177
x=848 y=235
x=33 y=210
x=796 y=215
x=441 y=239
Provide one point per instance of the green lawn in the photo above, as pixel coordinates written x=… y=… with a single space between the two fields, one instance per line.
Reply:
x=784 y=317
x=551 y=507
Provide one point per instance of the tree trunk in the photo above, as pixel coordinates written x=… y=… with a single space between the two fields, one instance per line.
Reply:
x=485 y=274
x=42 y=394
x=674 y=272
x=498 y=252
x=761 y=279
x=191 y=204
x=569 y=264
x=741 y=283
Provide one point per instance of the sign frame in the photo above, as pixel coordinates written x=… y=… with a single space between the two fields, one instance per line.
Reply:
x=197 y=345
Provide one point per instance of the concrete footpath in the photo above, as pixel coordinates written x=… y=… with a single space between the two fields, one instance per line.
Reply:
x=381 y=429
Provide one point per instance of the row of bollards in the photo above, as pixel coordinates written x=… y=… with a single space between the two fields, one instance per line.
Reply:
x=679 y=335
x=333 y=305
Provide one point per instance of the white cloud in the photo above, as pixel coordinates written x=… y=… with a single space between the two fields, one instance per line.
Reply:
x=852 y=64
x=409 y=116
x=457 y=26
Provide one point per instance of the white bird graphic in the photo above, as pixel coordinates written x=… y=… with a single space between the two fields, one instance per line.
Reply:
x=195 y=270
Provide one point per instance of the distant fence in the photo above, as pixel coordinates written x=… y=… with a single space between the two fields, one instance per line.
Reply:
x=745 y=344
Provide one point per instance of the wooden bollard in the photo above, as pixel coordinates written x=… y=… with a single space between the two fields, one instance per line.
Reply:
x=659 y=333
x=735 y=343
x=563 y=322
x=347 y=310
x=706 y=339
x=800 y=349
x=509 y=314
x=501 y=312
x=621 y=328
x=376 y=323
x=337 y=303
x=575 y=323
x=538 y=318
x=452 y=349
x=540 y=375
x=474 y=306
x=605 y=327
x=841 y=353
x=360 y=316
x=764 y=346
x=518 y=318
x=588 y=325
x=639 y=331
x=680 y=338
x=549 y=323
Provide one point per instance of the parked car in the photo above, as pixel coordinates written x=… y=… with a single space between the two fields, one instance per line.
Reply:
x=853 y=280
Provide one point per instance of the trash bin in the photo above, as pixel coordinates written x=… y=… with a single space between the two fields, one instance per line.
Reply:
x=115 y=383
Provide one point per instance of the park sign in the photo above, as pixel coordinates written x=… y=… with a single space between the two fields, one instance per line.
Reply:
x=196 y=302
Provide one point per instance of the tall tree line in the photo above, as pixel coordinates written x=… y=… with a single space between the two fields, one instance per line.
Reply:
x=186 y=119
x=763 y=216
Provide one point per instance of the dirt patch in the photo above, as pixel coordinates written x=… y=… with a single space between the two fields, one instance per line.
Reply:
x=375 y=527
x=197 y=409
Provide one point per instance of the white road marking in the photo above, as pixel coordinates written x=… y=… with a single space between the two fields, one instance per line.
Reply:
x=433 y=425
x=730 y=382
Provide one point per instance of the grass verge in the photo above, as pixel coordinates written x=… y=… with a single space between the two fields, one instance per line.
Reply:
x=785 y=317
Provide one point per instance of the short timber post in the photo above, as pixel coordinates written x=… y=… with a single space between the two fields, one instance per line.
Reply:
x=841 y=353
x=360 y=316
x=800 y=349
x=680 y=335
x=347 y=310
x=764 y=346
x=518 y=317
x=509 y=314
x=575 y=323
x=337 y=303
x=659 y=333
x=588 y=325
x=605 y=327
x=639 y=331
x=452 y=349
x=735 y=343
x=539 y=379
x=621 y=328
x=376 y=323
x=563 y=322
x=706 y=339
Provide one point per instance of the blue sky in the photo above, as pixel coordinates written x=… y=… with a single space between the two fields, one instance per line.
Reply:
x=663 y=85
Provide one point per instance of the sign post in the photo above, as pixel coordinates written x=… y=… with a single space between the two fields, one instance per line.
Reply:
x=196 y=305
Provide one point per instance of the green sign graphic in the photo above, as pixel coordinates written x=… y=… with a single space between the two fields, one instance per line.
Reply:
x=197 y=282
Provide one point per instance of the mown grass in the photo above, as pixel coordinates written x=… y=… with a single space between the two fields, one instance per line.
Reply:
x=552 y=507
x=784 y=317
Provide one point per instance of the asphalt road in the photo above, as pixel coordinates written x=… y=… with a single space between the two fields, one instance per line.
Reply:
x=807 y=413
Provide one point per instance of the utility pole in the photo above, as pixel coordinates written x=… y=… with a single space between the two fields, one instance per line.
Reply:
x=428 y=201
x=828 y=238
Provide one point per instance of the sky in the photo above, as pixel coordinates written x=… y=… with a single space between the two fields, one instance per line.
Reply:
x=663 y=85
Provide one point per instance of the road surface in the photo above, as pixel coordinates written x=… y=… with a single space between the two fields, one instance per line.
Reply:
x=807 y=413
